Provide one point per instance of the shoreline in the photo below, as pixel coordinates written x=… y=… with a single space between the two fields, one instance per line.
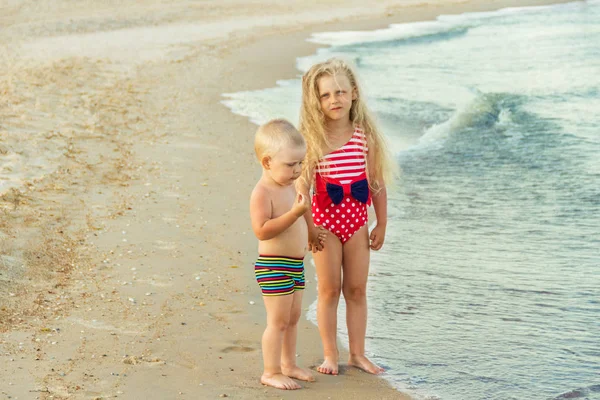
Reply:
x=161 y=308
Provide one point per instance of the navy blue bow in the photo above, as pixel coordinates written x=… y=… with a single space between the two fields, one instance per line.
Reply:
x=359 y=190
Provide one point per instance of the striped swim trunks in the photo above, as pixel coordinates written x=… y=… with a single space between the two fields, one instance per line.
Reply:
x=278 y=276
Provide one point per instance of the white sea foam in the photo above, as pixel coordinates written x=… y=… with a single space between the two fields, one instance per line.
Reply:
x=262 y=105
x=393 y=32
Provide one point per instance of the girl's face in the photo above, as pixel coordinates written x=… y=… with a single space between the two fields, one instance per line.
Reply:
x=286 y=165
x=336 y=95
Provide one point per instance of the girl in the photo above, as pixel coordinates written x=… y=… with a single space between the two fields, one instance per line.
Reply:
x=347 y=166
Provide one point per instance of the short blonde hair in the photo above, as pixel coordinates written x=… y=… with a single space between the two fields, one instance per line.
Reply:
x=271 y=137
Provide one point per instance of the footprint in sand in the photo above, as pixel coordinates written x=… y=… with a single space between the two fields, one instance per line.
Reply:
x=240 y=346
x=134 y=360
x=222 y=316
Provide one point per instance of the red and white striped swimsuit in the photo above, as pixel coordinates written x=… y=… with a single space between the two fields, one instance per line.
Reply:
x=341 y=194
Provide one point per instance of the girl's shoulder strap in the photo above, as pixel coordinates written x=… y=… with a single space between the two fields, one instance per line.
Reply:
x=360 y=134
x=360 y=131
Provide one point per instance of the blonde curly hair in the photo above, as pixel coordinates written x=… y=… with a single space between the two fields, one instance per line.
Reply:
x=312 y=125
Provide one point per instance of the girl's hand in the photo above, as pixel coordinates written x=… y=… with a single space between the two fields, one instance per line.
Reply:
x=377 y=237
x=316 y=238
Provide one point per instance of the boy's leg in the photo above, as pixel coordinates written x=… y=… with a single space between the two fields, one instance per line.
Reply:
x=288 y=353
x=354 y=287
x=328 y=264
x=278 y=319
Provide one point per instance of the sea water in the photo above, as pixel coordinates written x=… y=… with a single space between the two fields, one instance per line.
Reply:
x=488 y=286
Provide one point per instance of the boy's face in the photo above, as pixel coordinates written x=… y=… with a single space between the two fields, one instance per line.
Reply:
x=286 y=166
x=336 y=95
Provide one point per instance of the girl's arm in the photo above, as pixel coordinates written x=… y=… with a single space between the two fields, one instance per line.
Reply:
x=316 y=235
x=380 y=205
x=261 y=209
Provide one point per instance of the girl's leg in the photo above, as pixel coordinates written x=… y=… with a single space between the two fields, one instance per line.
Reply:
x=288 y=353
x=356 y=270
x=278 y=319
x=328 y=263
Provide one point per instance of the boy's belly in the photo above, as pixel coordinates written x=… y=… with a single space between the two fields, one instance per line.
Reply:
x=291 y=243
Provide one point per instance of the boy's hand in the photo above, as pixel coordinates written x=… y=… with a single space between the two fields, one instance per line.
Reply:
x=316 y=238
x=301 y=205
x=377 y=237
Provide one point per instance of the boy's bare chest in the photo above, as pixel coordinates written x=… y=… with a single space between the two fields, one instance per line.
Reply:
x=282 y=201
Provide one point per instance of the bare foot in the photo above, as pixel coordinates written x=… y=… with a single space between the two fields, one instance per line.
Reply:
x=365 y=364
x=279 y=381
x=329 y=367
x=296 y=372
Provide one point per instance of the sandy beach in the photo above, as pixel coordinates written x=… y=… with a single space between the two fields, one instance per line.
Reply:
x=125 y=238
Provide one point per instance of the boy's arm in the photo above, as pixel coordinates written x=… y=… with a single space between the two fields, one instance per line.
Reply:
x=261 y=210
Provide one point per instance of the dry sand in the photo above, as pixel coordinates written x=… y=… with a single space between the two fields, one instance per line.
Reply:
x=127 y=272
